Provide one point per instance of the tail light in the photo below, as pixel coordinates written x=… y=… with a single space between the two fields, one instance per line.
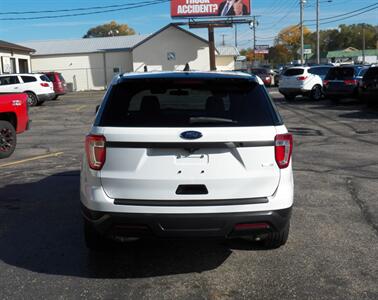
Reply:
x=325 y=82
x=302 y=78
x=44 y=84
x=283 y=149
x=350 y=82
x=96 y=151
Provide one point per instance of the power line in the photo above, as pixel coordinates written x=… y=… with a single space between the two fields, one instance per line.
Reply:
x=345 y=14
x=69 y=9
x=132 y=6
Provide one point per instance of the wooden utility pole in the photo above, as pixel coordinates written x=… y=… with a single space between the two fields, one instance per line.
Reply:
x=213 y=65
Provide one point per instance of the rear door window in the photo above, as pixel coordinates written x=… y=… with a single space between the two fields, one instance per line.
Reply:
x=293 y=72
x=51 y=76
x=188 y=103
x=27 y=79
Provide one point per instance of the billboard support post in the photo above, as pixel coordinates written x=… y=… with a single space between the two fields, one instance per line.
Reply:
x=213 y=66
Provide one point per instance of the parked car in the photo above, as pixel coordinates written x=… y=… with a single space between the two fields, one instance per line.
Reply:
x=320 y=70
x=342 y=81
x=38 y=87
x=60 y=85
x=299 y=81
x=369 y=86
x=264 y=74
x=14 y=119
x=220 y=168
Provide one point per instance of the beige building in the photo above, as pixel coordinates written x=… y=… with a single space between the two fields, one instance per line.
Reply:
x=90 y=64
x=226 y=58
x=14 y=58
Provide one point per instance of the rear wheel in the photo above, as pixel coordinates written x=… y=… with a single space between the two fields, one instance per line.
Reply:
x=93 y=239
x=32 y=99
x=55 y=97
x=40 y=103
x=316 y=93
x=8 y=139
x=276 y=239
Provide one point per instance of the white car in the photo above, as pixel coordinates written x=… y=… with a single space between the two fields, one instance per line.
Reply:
x=38 y=87
x=187 y=154
x=301 y=81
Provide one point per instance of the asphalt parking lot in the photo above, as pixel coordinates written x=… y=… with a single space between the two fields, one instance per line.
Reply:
x=332 y=252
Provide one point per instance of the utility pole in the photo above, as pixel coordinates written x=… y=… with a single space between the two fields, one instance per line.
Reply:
x=236 y=35
x=302 y=2
x=363 y=43
x=317 y=33
x=254 y=34
x=223 y=40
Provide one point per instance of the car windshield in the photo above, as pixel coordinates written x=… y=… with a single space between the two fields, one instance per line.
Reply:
x=259 y=71
x=186 y=103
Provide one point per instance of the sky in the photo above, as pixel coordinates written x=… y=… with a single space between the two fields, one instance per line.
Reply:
x=273 y=15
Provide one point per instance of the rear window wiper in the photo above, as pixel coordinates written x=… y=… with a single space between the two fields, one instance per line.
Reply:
x=194 y=120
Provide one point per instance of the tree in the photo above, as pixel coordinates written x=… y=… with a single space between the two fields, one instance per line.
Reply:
x=291 y=37
x=279 y=54
x=109 y=29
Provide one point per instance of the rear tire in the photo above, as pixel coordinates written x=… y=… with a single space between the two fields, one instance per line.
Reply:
x=32 y=99
x=40 y=103
x=93 y=239
x=275 y=240
x=55 y=97
x=316 y=93
x=8 y=139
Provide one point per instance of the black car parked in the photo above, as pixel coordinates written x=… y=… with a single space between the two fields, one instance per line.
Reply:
x=369 y=86
x=342 y=82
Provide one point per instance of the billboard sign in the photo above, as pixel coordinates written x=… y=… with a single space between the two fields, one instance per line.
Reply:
x=210 y=8
x=262 y=49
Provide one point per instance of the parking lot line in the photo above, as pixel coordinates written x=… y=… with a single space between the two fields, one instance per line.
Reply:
x=31 y=159
x=80 y=108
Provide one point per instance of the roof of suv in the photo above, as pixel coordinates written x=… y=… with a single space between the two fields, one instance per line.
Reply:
x=23 y=74
x=191 y=74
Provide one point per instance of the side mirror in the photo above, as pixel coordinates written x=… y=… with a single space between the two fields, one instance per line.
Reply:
x=97 y=108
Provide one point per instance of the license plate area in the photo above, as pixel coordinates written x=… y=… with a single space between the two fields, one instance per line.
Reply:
x=192 y=159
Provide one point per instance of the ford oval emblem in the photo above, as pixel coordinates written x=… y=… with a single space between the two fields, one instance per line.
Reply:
x=191 y=135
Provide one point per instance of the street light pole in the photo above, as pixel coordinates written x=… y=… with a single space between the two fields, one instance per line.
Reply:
x=317 y=33
x=302 y=2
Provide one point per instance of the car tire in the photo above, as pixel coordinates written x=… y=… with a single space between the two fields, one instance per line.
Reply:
x=316 y=93
x=8 y=139
x=32 y=99
x=93 y=239
x=55 y=97
x=289 y=97
x=40 y=103
x=275 y=240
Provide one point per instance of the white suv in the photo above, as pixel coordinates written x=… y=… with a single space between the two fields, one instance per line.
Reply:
x=181 y=154
x=301 y=81
x=38 y=87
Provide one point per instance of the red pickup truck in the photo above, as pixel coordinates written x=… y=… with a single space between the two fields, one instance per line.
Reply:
x=14 y=119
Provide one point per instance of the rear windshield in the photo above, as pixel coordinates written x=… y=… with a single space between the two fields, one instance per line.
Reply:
x=371 y=73
x=293 y=72
x=45 y=78
x=340 y=74
x=187 y=103
x=61 y=77
x=51 y=76
x=259 y=71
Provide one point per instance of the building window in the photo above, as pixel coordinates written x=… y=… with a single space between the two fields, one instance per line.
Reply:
x=13 y=65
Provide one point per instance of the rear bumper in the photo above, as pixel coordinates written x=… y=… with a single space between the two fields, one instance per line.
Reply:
x=46 y=97
x=186 y=225
x=293 y=91
x=346 y=91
